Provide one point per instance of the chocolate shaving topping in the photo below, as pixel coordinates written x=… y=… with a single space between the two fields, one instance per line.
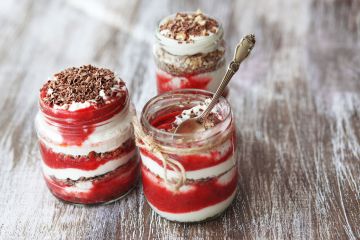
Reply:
x=80 y=84
x=184 y=25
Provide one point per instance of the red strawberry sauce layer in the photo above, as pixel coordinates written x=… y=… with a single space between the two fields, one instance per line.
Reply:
x=165 y=81
x=104 y=188
x=76 y=126
x=90 y=162
x=201 y=194
x=194 y=162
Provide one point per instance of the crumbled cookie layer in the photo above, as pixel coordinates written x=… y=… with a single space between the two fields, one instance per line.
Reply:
x=190 y=64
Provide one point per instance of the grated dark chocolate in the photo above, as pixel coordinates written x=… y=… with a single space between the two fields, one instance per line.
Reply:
x=80 y=84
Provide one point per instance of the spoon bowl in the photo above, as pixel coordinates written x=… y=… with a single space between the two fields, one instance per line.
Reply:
x=191 y=125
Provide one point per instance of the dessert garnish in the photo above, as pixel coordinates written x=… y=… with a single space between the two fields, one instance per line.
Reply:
x=196 y=124
x=186 y=25
x=82 y=84
x=212 y=120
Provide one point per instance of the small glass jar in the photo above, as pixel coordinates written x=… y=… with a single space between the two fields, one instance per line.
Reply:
x=208 y=159
x=196 y=64
x=88 y=155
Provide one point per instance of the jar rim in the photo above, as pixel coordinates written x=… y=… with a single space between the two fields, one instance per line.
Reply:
x=198 y=136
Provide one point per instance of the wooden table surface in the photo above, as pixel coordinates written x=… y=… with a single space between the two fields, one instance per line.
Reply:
x=296 y=100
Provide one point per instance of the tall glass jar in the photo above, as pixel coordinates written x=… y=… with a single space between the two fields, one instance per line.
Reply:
x=208 y=159
x=197 y=62
x=88 y=152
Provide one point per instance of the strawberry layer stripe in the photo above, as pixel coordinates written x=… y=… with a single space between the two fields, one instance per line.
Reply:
x=194 y=162
x=191 y=197
x=90 y=162
x=75 y=174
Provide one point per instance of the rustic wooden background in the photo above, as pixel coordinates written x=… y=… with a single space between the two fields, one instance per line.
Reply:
x=296 y=100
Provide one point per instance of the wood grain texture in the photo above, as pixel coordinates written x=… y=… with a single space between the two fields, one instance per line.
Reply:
x=296 y=101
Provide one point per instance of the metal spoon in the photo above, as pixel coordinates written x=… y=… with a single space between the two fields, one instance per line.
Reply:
x=242 y=50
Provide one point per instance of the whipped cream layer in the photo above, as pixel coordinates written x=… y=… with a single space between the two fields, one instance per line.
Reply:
x=106 y=137
x=192 y=175
x=208 y=172
x=79 y=187
x=197 y=44
x=75 y=174
x=199 y=215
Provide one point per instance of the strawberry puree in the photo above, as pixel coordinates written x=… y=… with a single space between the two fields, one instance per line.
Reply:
x=169 y=82
x=90 y=162
x=195 y=162
x=200 y=194
x=165 y=120
x=76 y=126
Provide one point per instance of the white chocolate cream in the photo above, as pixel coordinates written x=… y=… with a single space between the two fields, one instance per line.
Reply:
x=75 y=174
x=212 y=171
x=105 y=138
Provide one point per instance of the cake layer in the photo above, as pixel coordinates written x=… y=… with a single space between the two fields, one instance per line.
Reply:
x=192 y=196
x=75 y=173
x=199 y=215
x=96 y=190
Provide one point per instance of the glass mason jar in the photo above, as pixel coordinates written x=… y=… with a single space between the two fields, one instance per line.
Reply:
x=208 y=159
x=88 y=155
x=196 y=64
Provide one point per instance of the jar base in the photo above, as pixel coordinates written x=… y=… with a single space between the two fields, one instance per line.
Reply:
x=223 y=209
x=98 y=203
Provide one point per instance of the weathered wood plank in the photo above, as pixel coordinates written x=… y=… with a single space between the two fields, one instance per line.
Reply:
x=296 y=100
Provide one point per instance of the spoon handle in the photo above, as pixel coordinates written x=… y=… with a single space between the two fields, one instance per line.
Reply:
x=241 y=52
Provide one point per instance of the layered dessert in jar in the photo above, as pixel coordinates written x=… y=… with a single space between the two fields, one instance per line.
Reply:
x=207 y=158
x=189 y=52
x=85 y=136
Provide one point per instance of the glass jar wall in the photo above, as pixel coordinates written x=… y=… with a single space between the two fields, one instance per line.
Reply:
x=194 y=61
x=208 y=159
x=88 y=154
